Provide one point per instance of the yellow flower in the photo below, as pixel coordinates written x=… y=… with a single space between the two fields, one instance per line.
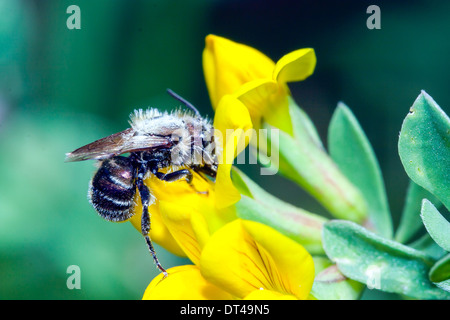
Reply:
x=184 y=283
x=179 y=206
x=242 y=260
x=252 y=77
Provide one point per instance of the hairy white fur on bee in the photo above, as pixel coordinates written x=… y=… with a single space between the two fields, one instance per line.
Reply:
x=152 y=120
x=143 y=121
x=179 y=125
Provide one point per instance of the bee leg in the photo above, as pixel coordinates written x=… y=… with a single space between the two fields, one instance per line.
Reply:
x=145 y=221
x=178 y=175
x=174 y=176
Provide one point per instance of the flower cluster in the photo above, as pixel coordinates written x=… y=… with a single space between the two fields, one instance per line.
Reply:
x=232 y=258
x=246 y=244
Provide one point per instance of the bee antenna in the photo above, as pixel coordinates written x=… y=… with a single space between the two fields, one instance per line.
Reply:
x=184 y=101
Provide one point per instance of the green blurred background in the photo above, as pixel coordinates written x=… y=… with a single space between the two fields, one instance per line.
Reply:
x=61 y=89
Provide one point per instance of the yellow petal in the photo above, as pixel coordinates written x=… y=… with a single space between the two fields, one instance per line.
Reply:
x=226 y=191
x=245 y=256
x=269 y=100
x=268 y=295
x=278 y=116
x=183 y=283
x=294 y=264
x=295 y=66
x=178 y=221
x=256 y=95
x=210 y=74
x=231 y=114
x=228 y=64
x=225 y=261
x=232 y=123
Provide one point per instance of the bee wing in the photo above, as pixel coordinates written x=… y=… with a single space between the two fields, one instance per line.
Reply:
x=116 y=144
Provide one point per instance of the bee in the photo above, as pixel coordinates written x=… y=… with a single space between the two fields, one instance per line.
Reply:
x=181 y=141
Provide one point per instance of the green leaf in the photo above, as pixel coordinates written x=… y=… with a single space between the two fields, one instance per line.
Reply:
x=427 y=245
x=351 y=150
x=437 y=226
x=384 y=264
x=303 y=160
x=444 y=285
x=440 y=273
x=331 y=284
x=441 y=270
x=410 y=222
x=258 y=205
x=424 y=147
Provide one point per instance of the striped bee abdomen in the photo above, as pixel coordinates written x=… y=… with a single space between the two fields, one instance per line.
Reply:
x=112 y=189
